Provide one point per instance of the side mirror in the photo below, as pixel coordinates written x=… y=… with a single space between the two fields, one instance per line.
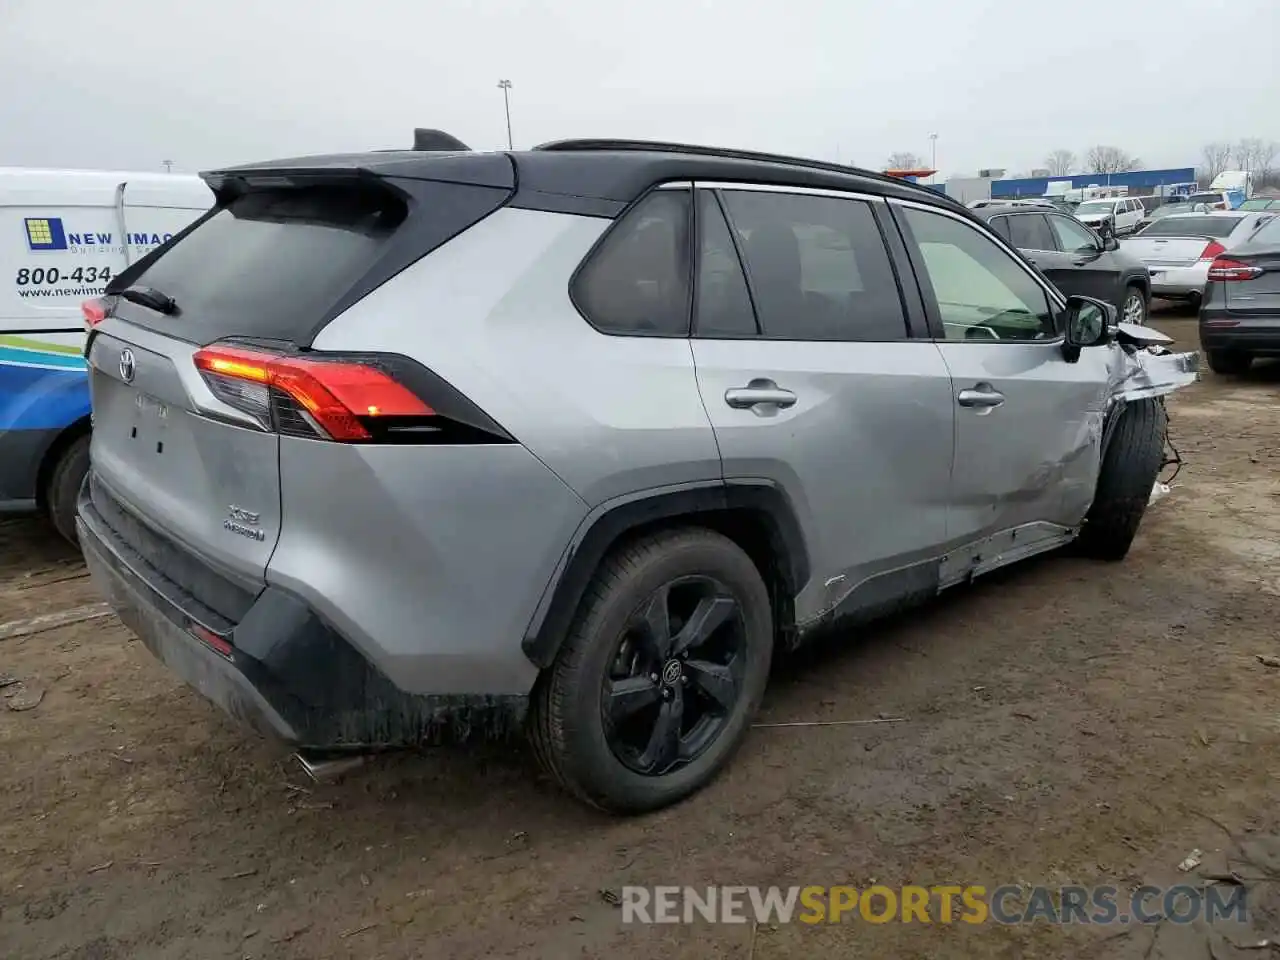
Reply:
x=1110 y=242
x=1087 y=323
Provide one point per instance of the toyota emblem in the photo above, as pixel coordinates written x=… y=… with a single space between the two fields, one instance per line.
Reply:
x=127 y=365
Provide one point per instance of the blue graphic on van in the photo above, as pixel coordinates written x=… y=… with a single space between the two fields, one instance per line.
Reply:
x=45 y=233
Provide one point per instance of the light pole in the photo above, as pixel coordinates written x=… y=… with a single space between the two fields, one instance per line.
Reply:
x=168 y=166
x=505 y=87
x=933 y=157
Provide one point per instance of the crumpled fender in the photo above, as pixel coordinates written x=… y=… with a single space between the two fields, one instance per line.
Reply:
x=1141 y=374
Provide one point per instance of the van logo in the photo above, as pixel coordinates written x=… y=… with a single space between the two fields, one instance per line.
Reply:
x=128 y=365
x=45 y=233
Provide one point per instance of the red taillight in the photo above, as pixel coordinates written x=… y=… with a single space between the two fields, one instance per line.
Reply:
x=94 y=311
x=207 y=636
x=335 y=394
x=1224 y=268
x=1211 y=250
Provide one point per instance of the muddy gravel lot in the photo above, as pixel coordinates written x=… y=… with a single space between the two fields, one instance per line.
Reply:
x=1066 y=722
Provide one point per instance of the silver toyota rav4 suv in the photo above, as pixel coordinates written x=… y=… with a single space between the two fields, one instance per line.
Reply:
x=403 y=445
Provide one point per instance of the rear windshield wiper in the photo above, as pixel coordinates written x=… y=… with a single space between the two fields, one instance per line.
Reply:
x=149 y=297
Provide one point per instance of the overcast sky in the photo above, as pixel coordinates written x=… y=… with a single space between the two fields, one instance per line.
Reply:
x=126 y=84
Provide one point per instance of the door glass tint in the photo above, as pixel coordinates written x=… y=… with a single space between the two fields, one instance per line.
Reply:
x=1001 y=226
x=983 y=293
x=723 y=304
x=1030 y=232
x=1072 y=237
x=817 y=266
x=637 y=280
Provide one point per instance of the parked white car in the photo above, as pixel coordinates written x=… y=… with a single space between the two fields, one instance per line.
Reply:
x=1179 y=248
x=1121 y=214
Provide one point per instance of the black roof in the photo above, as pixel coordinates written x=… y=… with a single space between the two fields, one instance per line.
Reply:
x=599 y=177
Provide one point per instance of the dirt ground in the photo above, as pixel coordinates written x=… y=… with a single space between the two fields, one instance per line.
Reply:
x=1066 y=722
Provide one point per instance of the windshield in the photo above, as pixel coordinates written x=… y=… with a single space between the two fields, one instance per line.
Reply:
x=1190 y=226
x=1261 y=204
x=1096 y=206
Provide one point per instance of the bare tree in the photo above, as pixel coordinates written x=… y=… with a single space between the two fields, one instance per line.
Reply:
x=1255 y=155
x=1215 y=158
x=903 y=160
x=1060 y=163
x=1264 y=162
x=1104 y=159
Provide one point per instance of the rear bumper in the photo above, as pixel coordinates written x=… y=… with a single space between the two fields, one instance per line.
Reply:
x=1258 y=336
x=303 y=684
x=1178 y=282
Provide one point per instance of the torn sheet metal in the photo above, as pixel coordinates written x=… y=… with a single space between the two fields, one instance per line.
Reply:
x=1140 y=374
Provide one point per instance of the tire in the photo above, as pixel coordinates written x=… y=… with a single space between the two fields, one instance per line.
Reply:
x=65 y=480
x=1228 y=362
x=1129 y=469
x=570 y=735
x=1134 y=300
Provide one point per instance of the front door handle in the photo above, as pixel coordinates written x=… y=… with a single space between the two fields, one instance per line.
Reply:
x=758 y=391
x=982 y=395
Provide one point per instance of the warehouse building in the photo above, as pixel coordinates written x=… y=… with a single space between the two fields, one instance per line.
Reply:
x=992 y=184
x=1139 y=183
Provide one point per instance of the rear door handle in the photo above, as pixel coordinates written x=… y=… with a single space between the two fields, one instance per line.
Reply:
x=983 y=395
x=758 y=391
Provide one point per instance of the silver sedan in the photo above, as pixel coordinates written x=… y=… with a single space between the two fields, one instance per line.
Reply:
x=1178 y=249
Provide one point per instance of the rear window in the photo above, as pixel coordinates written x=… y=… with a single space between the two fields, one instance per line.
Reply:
x=1192 y=227
x=277 y=263
x=1205 y=198
x=1268 y=233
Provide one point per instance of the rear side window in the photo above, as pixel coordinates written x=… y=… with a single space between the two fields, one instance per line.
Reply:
x=1192 y=227
x=636 y=282
x=1001 y=226
x=723 y=303
x=1030 y=231
x=817 y=266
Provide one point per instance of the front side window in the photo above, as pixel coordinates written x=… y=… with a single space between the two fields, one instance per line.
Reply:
x=637 y=280
x=1072 y=237
x=983 y=293
x=1029 y=231
x=817 y=266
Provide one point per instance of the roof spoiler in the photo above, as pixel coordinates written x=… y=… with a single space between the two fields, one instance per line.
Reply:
x=436 y=141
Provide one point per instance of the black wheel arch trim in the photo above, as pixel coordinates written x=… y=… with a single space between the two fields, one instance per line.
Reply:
x=546 y=633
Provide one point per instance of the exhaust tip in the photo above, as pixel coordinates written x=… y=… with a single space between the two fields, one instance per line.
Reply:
x=326 y=768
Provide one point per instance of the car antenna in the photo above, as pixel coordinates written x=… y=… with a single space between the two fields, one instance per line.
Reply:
x=436 y=141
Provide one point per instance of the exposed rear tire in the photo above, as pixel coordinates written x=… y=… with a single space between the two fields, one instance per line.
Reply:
x=1228 y=362
x=600 y=722
x=63 y=488
x=1129 y=469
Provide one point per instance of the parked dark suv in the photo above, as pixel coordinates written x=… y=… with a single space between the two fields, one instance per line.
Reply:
x=1074 y=258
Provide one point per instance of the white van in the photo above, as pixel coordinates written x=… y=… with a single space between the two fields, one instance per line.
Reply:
x=63 y=235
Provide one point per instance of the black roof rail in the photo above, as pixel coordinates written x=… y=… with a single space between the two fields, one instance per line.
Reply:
x=661 y=146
